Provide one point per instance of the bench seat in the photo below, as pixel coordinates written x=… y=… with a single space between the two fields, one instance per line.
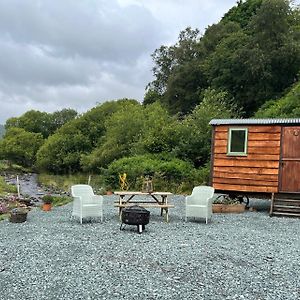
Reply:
x=148 y=205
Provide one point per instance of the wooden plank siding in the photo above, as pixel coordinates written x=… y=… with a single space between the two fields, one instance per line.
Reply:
x=251 y=150
x=251 y=128
x=255 y=172
x=239 y=170
x=251 y=143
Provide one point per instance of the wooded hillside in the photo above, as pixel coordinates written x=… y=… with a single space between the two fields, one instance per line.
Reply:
x=253 y=54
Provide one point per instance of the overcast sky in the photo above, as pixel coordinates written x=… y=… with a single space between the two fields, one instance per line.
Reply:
x=59 y=54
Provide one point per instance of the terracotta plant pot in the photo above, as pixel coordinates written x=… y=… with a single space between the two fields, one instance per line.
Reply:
x=228 y=208
x=46 y=207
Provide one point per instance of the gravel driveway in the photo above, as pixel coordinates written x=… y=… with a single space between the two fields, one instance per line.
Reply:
x=236 y=256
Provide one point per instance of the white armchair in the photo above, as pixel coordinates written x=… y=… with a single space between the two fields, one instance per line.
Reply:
x=86 y=204
x=199 y=203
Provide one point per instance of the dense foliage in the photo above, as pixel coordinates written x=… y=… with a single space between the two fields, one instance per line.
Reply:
x=131 y=130
x=253 y=54
x=20 y=146
x=42 y=122
x=165 y=171
x=286 y=107
x=246 y=65
x=62 y=152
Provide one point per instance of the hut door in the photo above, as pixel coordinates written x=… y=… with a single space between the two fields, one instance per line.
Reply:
x=290 y=160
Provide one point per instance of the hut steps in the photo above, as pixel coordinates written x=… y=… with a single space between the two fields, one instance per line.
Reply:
x=285 y=205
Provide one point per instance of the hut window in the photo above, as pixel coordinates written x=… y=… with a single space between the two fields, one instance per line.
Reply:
x=237 y=142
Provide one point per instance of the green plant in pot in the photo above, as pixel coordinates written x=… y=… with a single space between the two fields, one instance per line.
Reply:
x=47 y=202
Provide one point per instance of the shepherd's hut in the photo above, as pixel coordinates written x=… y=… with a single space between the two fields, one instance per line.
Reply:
x=258 y=157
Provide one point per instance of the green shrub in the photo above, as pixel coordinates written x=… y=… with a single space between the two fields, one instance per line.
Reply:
x=203 y=175
x=168 y=173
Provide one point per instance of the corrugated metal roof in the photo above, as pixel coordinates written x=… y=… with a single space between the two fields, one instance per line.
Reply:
x=254 y=121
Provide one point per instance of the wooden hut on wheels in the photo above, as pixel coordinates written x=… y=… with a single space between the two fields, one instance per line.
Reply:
x=258 y=156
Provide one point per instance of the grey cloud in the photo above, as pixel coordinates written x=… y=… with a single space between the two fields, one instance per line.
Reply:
x=28 y=64
x=97 y=29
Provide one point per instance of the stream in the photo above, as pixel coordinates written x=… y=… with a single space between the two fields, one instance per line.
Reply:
x=28 y=186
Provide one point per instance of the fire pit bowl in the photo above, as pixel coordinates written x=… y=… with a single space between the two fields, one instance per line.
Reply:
x=135 y=215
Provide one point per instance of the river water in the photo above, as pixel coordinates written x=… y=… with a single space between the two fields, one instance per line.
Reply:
x=28 y=185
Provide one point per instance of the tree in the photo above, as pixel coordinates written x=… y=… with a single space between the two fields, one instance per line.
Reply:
x=214 y=34
x=31 y=121
x=159 y=132
x=253 y=53
x=42 y=122
x=151 y=96
x=260 y=61
x=184 y=86
x=276 y=31
x=59 y=118
x=122 y=129
x=243 y=12
x=63 y=151
x=20 y=146
x=133 y=130
x=195 y=142
x=167 y=57
x=241 y=70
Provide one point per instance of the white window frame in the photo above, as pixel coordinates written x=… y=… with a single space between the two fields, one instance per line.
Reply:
x=243 y=153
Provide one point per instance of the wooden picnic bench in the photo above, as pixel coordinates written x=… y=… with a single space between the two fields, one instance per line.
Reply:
x=160 y=201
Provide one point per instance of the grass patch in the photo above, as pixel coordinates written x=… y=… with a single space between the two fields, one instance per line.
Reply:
x=64 y=182
x=6 y=188
x=61 y=200
x=3 y=217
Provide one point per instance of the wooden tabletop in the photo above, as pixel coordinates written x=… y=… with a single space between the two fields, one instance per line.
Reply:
x=124 y=193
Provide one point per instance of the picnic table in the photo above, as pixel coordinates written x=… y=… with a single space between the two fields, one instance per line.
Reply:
x=157 y=199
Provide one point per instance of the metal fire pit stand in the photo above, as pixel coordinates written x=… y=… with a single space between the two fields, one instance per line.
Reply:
x=140 y=228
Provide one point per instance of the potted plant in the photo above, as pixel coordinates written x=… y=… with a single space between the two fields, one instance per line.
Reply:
x=47 y=202
x=109 y=190
x=228 y=204
x=18 y=215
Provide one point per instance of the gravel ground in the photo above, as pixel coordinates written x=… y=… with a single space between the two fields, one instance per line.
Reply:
x=236 y=256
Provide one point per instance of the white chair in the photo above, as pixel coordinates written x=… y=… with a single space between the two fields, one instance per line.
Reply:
x=86 y=204
x=199 y=203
